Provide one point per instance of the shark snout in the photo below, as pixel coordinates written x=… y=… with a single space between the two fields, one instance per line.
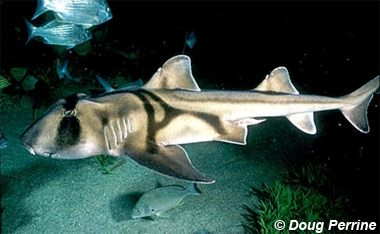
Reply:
x=34 y=150
x=28 y=147
x=27 y=140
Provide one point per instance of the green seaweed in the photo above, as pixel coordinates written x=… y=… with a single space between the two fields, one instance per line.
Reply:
x=107 y=164
x=301 y=198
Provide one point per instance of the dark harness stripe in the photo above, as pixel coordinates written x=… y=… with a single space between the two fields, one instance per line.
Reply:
x=68 y=132
x=170 y=114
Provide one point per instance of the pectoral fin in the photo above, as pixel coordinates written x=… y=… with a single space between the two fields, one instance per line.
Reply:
x=162 y=215
x=171 y=161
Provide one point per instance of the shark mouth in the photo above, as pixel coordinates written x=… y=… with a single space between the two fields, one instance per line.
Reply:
x=31 y=150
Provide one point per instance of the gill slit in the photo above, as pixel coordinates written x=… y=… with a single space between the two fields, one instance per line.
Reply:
x=125 y=128
x=106 y=138
x=116 y=131
x=113 y=133
x=120 y=131
x=129 y=125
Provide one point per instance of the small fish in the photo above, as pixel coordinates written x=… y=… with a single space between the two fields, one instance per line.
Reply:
x=161 y=199
x=80 y=12
x=130 y=86
x=63 y=72
x=190 y=41
x=3 y=141
x=57 y=33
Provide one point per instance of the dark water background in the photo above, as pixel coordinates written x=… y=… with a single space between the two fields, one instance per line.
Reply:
x=329 y=48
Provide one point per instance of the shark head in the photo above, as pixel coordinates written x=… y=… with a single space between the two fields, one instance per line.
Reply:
x=66 y=130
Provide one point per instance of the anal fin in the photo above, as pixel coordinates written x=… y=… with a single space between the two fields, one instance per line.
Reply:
x=304 y=122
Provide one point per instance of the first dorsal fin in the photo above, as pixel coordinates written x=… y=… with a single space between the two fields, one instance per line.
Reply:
x=277 y=81
x=174 y=74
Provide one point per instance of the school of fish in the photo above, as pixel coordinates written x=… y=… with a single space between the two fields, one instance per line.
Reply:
x=71 y=23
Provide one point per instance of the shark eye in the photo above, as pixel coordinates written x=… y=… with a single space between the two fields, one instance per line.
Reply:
x=69 y=113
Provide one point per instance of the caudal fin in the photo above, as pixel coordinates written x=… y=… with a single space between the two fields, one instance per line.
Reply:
x=357 y=113
x=193 y=189
x=41 y=8
x=31 y=30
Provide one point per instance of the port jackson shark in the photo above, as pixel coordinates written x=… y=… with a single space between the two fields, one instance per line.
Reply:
x=149 y=123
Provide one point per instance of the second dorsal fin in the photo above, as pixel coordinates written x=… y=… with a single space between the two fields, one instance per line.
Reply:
x=277 y=81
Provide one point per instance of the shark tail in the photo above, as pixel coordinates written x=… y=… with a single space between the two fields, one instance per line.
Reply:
x=356 y=114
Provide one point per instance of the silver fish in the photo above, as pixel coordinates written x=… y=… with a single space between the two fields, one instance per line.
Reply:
x=161 y=199
x=149 y=124
x=63 y=72
x=80 y=12
x=130 y=86
x=3 y=141
x=57 y=33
